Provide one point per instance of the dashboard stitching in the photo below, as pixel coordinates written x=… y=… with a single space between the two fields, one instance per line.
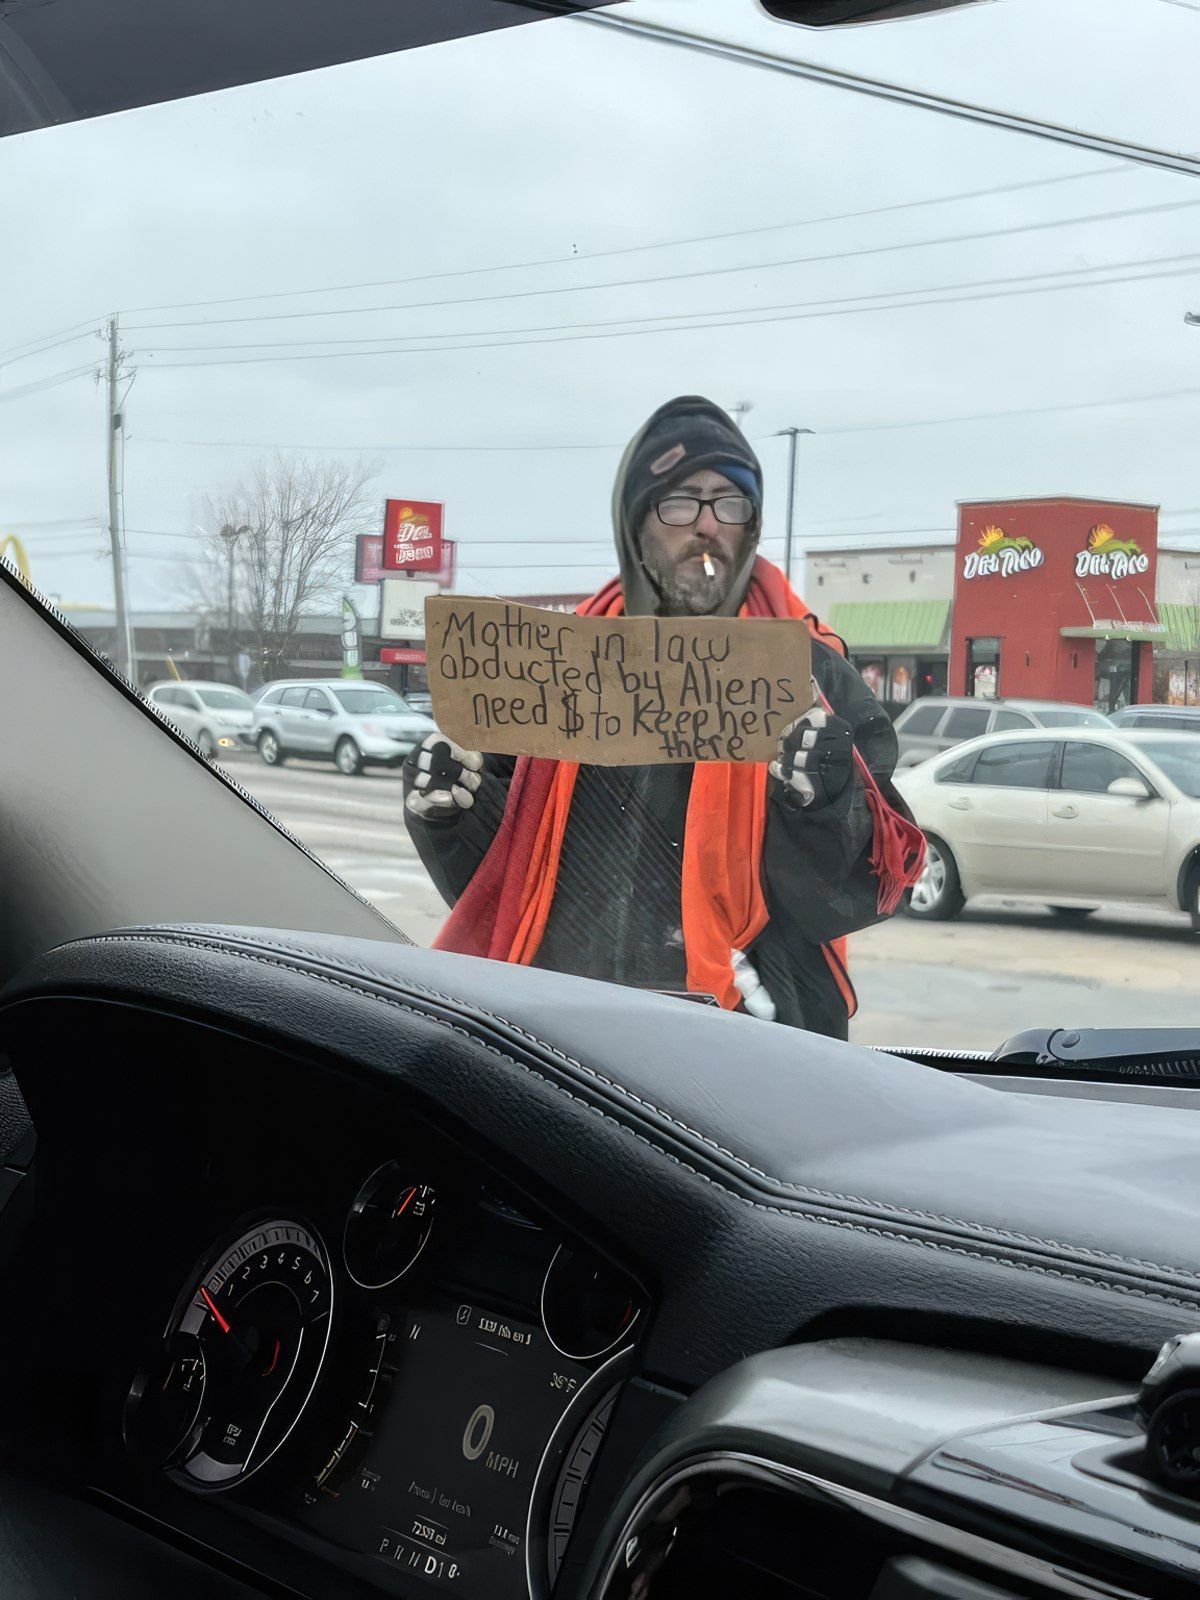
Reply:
x=837 y=1222
x=883 y=1206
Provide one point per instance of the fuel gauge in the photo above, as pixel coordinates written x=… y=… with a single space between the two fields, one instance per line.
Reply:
x=388 y=1226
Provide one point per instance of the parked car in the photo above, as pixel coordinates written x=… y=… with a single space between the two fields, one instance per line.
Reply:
x=1184 y=719
x=215 y=715
x=1070 y=821
x=353 y=724
x=939 y=722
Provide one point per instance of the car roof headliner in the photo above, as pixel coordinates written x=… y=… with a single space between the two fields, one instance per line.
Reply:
x=66 y=60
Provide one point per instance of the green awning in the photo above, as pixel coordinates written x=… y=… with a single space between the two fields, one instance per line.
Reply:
x=892 y=625
x=1183 y=627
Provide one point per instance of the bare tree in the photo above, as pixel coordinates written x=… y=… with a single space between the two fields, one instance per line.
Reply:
x=298 y=520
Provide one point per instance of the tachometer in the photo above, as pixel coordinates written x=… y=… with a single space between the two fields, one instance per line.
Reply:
x=242 y=1353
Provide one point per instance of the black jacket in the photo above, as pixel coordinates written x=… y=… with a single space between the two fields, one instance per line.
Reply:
x=616 y=911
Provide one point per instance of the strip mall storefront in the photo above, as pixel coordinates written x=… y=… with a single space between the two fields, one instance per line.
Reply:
x=1060 y=597
x=1054 y=599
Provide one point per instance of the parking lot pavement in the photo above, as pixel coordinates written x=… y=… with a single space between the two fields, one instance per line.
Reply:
x=996 y=970
x=356 y=826
x=972 y=982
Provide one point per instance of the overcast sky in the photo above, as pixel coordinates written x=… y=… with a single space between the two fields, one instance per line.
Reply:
x=568 y=144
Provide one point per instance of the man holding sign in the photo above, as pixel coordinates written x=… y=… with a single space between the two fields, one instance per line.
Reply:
x=702 y=870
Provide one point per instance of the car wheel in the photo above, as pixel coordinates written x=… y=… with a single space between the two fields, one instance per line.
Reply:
x=1192 y=899
x=348 y=757
x=1073 y=913
x=270 y=749
x=937 y=894
x=206 y=744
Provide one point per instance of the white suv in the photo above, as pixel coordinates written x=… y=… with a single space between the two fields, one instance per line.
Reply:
x=216 y=716
x=348 y=721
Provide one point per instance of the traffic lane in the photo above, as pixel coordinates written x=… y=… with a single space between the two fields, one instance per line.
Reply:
x=970 y=982
x=997 y=969
x=356 y=827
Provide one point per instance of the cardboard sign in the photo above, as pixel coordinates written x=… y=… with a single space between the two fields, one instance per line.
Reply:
x=616 y=691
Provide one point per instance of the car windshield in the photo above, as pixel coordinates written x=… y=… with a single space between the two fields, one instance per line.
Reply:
x=1179 y=759
x=226 y=699
x=819 y=402
x=368 y=702
x=1070 y=717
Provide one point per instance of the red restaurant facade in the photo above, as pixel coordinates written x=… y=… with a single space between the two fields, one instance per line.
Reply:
x=1054 y=599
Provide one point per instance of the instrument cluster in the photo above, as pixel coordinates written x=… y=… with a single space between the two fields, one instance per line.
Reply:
x=423 y=1387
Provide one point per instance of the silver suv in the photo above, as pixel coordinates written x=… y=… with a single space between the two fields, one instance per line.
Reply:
x=348 y=721
x=937 y=722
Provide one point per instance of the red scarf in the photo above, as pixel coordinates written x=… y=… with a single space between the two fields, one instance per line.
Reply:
x=504 y=909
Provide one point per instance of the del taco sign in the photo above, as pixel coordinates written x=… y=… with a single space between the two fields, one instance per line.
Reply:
x=1106 y=556
x=1000 y=555
x=412 y=536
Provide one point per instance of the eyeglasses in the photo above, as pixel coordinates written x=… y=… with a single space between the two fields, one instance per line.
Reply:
x=681 y=510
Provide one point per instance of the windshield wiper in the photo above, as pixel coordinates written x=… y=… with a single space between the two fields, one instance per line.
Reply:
x=1164 y=1056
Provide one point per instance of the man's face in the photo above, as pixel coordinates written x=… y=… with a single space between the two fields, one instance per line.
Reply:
x=674 y=555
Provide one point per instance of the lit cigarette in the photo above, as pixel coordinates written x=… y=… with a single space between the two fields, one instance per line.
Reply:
x=709 y=570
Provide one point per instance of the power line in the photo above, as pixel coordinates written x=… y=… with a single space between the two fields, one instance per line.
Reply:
x=901 y=94
x=823 y=433
x=160 y=533
x=66 y=336
x=381 y=449
x=1021 y=411
x=635 y=249
x=53 y=522
x=29 y=355
x=46 y=383
x=684 y=277
x=833 y=308
x=684 y=319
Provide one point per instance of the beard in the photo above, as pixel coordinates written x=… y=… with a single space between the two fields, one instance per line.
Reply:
x=686 y=589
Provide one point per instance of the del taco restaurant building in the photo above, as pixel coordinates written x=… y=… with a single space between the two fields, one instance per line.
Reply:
x=1056 y=598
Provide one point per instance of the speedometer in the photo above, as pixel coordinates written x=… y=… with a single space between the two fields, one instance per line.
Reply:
x=241 y=1355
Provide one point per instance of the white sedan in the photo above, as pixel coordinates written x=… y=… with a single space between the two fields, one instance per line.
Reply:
x=1072 y=820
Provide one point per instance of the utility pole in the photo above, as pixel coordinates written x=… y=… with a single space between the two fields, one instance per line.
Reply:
x=115 y=423
x=792 y=434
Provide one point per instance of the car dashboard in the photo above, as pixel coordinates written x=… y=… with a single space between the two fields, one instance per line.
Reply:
x=330 y=1277
x=362 y=1350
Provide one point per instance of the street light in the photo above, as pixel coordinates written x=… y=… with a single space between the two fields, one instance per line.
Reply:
x=1192 y=318
x=231 y=535
x=792 y=434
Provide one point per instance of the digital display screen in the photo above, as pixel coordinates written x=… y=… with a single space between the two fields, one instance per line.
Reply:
x=443 y=1490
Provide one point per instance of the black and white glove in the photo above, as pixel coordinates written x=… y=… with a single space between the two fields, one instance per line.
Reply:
x=816 y=758
x=446 y=778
